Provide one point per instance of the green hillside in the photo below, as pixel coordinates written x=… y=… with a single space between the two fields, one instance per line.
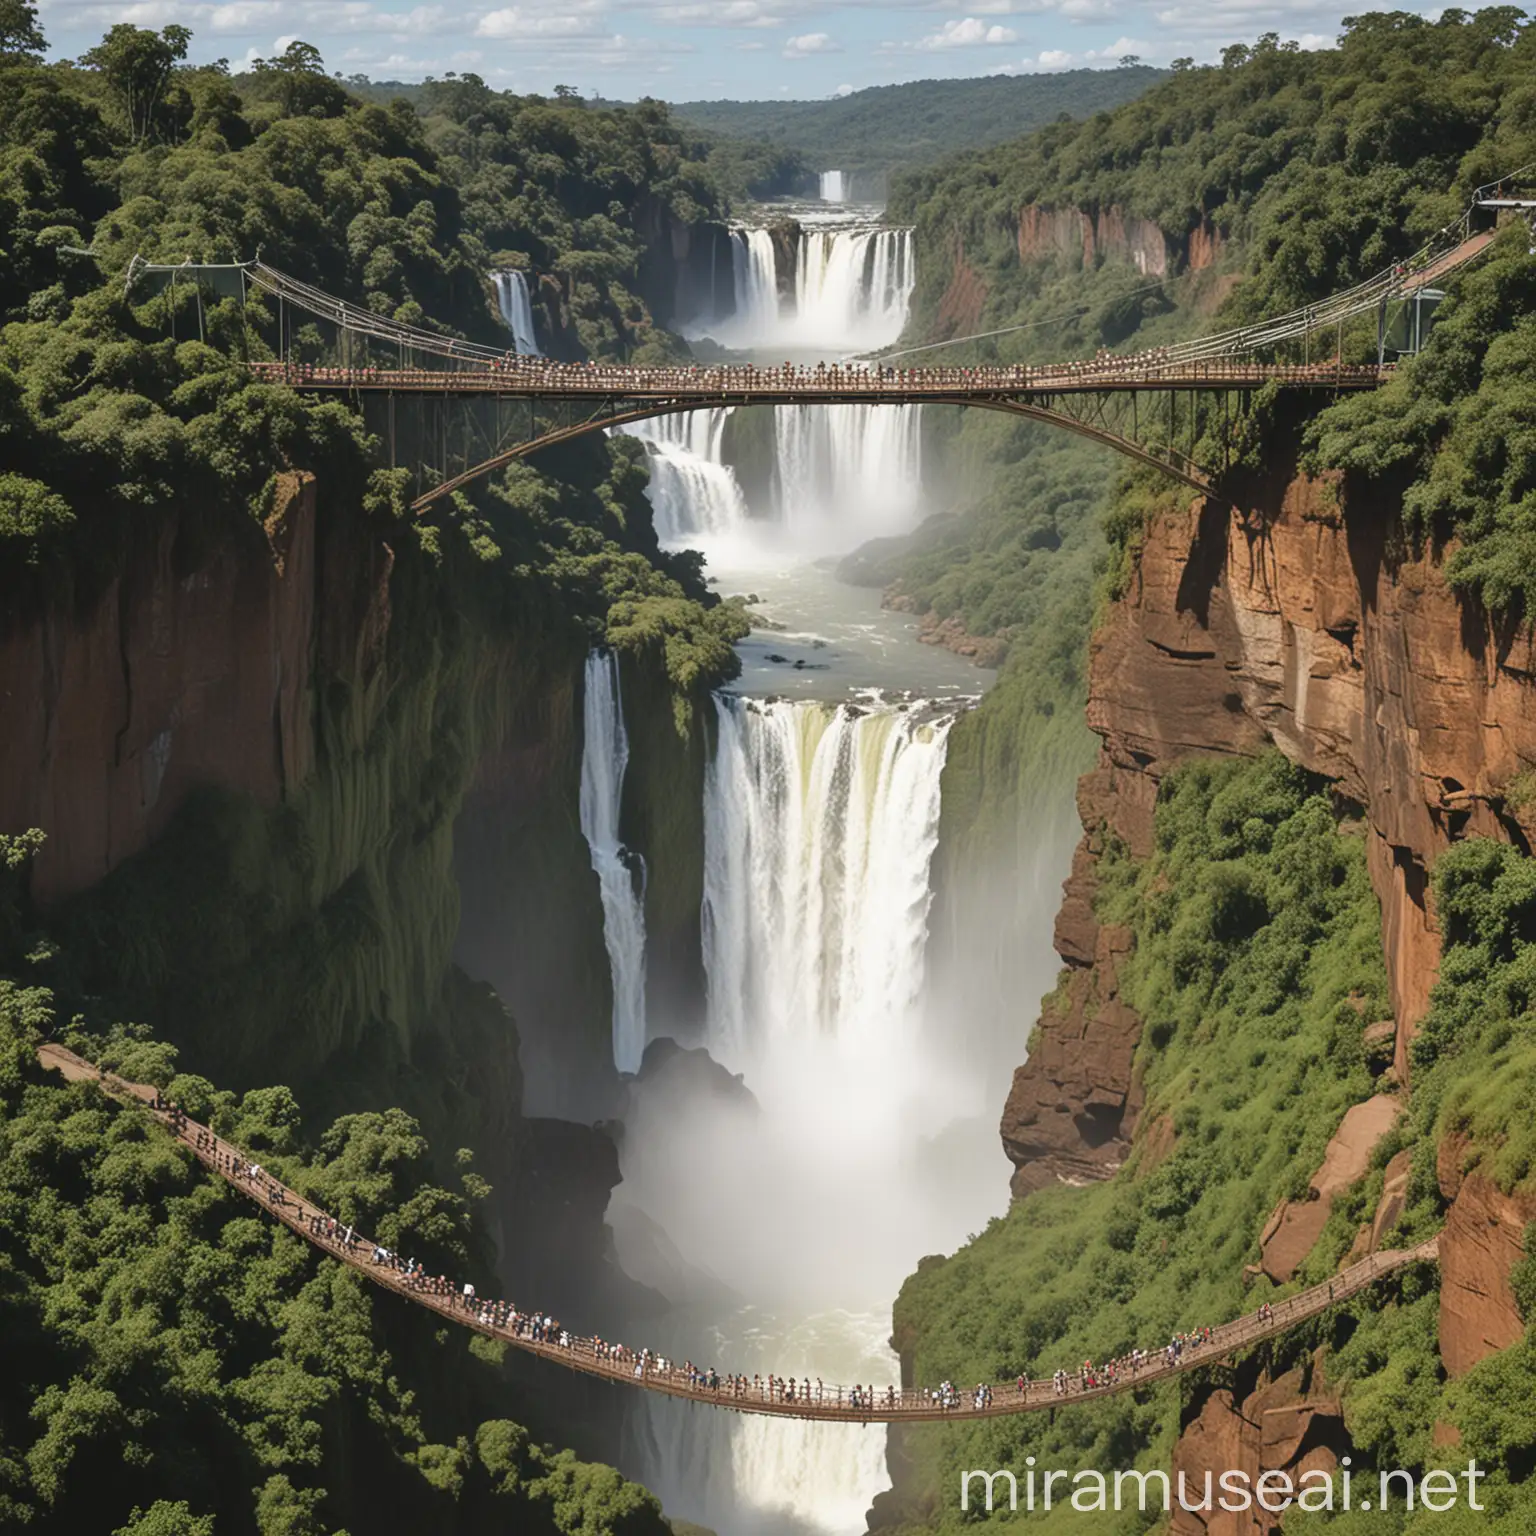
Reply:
x=889 y=128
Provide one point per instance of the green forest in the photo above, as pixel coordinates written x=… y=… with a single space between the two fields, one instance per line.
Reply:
x=890 y=129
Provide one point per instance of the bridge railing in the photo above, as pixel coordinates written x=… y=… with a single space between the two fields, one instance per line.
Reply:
x=618 y=1363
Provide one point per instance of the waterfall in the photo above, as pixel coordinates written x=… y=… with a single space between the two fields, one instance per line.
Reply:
x=833 y=184
x=848 y=471
x=604 y=757
x=516 y=310
x=820 y=824
x=854 y=284
x=852 y=288
x=693 y=495
x=755 y=278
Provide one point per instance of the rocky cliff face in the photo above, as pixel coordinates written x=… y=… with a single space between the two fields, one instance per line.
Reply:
x=186 y=671
x=1089 y=237
x=1314 y=632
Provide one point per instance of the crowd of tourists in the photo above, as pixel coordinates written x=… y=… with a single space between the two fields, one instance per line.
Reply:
x=546 y=375
x=542 y=1329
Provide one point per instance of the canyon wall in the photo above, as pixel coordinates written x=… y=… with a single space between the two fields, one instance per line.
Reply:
x=188 y=669
x=1076 y=235
x=251 y=757
x=1316 y=632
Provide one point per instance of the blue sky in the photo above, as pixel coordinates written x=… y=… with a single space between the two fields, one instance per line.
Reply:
x=686 y=50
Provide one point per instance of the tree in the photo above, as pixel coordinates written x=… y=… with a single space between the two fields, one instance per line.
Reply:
x=1129 y=60
x=567 y=93
x=137 y=65
x=21 y=39
x=303 y=87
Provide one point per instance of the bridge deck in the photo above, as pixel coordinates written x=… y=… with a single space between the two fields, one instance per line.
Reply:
x=907 y=1405
x=738 y=385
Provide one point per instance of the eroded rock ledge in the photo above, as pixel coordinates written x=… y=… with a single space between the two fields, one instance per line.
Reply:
x=1315 y=632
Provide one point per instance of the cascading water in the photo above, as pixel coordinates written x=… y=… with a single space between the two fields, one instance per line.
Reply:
x=693 y=494
x=851 y=290
x=821 y=822
x=516 y=310
x=853 y=286
x=847 y=471
x=754 y=276
x=833 y=187
x=604 y=757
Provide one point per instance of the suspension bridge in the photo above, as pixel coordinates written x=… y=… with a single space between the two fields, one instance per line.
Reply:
x=534 y=1334
x=479 y=408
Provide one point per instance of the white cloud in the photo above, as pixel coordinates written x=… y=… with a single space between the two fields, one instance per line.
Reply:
x=843 y=90
x=807 y=43
x=969 y=33
x=515 y=21
x=734 y=13
x=1054 y=58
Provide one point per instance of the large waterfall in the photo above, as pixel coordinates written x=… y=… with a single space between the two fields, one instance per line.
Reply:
x=851 y=288
x=854 y=284
x=847 y=472
x=516 y=310
x=821 y=821
x=693 y=494
x=754 y=277
x=620 y=874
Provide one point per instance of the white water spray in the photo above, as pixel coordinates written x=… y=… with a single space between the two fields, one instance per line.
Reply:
x=516 y=310
x=833 y=187
x=755 y=278
x=604 y=757
x=853 y=287
x=693 y=494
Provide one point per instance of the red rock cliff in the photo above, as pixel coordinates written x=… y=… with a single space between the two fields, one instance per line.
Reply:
x=185 y=671
x=1302 y=629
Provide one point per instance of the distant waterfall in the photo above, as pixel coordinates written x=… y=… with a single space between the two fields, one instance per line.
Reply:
x=516 y=310
x=604 y=757
x=848 y=470
x=693 y=495
x=833 y=184
x=820 y=825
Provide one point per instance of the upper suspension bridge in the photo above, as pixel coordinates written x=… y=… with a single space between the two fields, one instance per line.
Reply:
x=481 y=407
x=536 y=1334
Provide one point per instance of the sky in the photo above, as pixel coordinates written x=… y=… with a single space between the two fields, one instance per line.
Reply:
x=690 y=50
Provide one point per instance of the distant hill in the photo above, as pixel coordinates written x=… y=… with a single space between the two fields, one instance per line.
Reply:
x=890 y=128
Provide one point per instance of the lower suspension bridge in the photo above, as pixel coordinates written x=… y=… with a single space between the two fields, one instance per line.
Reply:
x=537 y=1334
x=480 y=408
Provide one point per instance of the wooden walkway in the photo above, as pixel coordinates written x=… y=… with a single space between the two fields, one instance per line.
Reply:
x=610 y=1362
x=705 y=386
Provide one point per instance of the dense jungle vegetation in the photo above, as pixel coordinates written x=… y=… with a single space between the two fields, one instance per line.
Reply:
x=1292 y=174
x=175 y=1367
x=1257 y=961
